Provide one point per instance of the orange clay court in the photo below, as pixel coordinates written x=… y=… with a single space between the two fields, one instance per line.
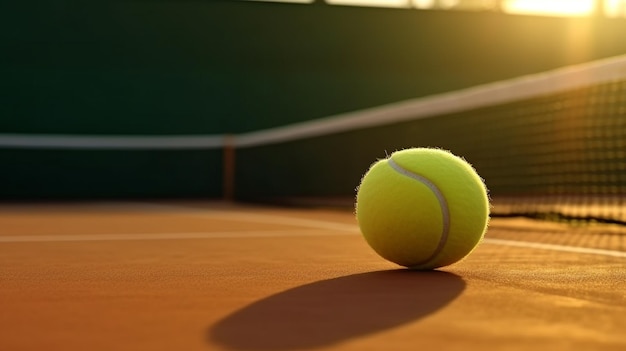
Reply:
x=181 y=175
x=222 y=276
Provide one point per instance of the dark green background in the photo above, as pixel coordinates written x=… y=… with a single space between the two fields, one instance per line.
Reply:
x=214 y=67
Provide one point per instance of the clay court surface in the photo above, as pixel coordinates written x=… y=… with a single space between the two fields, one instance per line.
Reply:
x=217 y=276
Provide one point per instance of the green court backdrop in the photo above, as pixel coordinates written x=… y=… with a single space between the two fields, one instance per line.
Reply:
x=149 y=67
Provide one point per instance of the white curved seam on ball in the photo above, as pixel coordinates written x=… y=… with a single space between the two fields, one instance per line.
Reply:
x=443 y=204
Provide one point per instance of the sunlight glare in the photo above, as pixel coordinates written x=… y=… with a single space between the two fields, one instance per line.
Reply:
x=615 y=8
x=424 y=4
x=549 y=8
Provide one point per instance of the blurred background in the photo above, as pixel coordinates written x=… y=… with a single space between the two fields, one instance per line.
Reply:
x=183 y=99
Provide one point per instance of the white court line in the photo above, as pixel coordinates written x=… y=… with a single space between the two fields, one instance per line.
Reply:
x=244 y=216
x=553 y=247
x=284 y=220
x=320 y=228
x=162 y=236
x=273 y=233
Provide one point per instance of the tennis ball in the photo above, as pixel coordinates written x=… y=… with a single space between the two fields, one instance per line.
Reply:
x=422 y=208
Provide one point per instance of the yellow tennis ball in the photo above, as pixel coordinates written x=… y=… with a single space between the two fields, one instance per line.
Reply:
x=422 y=208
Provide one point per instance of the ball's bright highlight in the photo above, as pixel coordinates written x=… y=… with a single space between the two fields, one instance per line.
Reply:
x=422 y=208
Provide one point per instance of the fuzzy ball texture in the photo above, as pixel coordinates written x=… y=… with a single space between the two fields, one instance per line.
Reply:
x=422 y=208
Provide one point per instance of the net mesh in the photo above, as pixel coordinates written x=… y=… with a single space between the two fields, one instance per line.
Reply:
x=561 y=156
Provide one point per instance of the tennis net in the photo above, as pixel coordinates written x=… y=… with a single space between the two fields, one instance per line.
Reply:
x=550 y=146
x=560 y=156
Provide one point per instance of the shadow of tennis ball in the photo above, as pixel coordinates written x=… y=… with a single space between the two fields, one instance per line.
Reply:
x=334 y=310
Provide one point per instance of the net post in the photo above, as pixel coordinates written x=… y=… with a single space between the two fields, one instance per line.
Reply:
x=228 y=167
